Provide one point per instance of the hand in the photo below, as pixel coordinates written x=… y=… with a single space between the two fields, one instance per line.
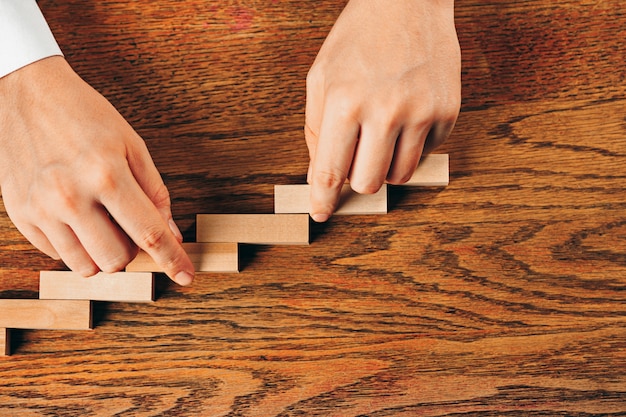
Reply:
x=385 y=87
x=77 y=180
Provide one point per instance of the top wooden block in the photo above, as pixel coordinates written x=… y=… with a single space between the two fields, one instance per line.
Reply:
x=261 y=229
x=45 y=314
x=432 y=171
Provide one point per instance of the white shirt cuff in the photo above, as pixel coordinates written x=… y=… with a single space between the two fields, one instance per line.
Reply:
x=24 y=35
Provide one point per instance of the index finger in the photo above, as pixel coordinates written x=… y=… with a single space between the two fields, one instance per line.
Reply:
x=137 y=215
x=333 y=157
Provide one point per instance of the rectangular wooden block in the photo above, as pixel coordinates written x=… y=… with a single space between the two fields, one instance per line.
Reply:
x=432 y=171
x=206 y=257
x=45 y=314
x=5 y=342
x=119 y=286
x=296 y=199
x=262 y=229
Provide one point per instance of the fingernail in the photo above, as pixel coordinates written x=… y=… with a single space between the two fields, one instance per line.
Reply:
x=175 y=230
x=320 y=217
x=183 y=278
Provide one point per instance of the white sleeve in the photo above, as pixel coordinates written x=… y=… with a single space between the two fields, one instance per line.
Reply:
x=24 y=35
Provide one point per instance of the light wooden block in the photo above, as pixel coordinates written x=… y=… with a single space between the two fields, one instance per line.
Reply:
x=45 y=314
x=432 y=171
x=296 y=199
x=5 y=342
x=206 y=257
x=119 y=286
x=262 y=229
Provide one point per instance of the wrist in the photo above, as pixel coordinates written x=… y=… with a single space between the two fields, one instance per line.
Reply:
x=16 y=85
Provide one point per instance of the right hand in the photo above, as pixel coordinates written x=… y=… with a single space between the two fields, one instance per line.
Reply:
x=77 y=180
x=385 y=88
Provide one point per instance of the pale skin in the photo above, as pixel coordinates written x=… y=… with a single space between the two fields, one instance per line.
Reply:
x=77 y=180
x=80 y=185
x=384 y=88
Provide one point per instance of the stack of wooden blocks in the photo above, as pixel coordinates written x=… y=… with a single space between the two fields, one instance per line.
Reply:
x=65 y=297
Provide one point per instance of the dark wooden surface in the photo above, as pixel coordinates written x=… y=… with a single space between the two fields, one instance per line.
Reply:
x=501 y=294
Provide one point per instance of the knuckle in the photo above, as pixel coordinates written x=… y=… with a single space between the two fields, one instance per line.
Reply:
x=33 y=213
x=344 y=106
x=329 y=179
x=454 y=104
x=118 y=263
x=161 y=197
x=53 y=194
x=425 y=105
x=313 y=75
x=68 y=199
x=316 y=75
x=76 y=258
x=310 y=134
x=153 y=238
x=451 y=111
x=172 y=261
x=104 y=180
x=24 y=214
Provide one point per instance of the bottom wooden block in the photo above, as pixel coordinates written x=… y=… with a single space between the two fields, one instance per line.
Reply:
x=206 y=257
x=5 y=342
x=134 y=287
x=45 y=314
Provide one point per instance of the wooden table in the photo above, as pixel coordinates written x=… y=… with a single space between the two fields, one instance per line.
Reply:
x=501 y=294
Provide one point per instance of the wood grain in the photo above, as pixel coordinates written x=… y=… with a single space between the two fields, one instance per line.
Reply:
x=206 y=257
x=131 y=287
x=502 y=294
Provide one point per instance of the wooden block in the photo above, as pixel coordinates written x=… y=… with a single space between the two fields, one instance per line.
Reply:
x=296 y=199
x=119 y=286
x=45 y=314
x=262 y=229
x=432 y=171
x=5 y=342
x=206 y=257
